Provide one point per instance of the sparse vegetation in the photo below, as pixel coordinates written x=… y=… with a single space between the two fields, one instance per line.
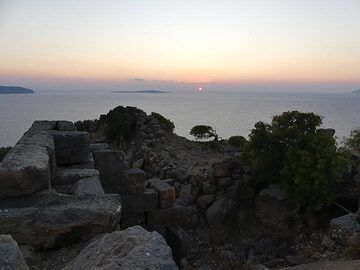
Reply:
x=291 y=152
x=166 y=123
x=202 y=132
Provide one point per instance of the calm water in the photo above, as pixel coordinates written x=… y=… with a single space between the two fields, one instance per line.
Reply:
x=229 y=113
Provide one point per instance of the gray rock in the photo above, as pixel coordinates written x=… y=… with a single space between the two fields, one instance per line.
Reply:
x=131 y=181
x=43 y=125
x=88 y=186
x=65 y=126
x=10 y=255
x=109 y=162
x=176 y=215
x=219 y=216
x=179 y=241
x=68 y=176
x=95 y=147
x=51 y=220
x=130 y=249
x=139 y=203
x=132 y=220
x=165 y=191
x=72 y=147
x=30 y=256
x=27 y=167
x=205 y=200
x=346 y=223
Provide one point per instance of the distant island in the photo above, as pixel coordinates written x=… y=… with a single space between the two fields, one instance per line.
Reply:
x=356 y=91
x=15 y=90
x=141 y=92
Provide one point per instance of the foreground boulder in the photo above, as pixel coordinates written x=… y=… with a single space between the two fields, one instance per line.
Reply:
x=51 y=220
x=27 y=167
x=130 y=249
x=10 y=254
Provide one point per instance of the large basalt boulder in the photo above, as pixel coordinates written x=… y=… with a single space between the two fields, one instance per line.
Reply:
x=10 y=255
x=72 y=147
x=109 y=162
x=88 y=186
x=166 y=192
x=52 y=220
x=220 y=216
x=28 y=166
x=130 y=249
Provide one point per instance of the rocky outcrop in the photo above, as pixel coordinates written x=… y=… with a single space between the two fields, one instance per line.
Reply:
x=52 y=220
x=130 y=249
x=10 y=255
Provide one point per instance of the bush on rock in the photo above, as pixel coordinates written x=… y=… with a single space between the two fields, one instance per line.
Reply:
x=291 y=152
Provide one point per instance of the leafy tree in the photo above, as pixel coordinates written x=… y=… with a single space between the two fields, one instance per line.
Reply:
x=237 y=141
x=166 y=123
x=353 y=142
x=120 y=125
x=203 y=132
x=291 y=152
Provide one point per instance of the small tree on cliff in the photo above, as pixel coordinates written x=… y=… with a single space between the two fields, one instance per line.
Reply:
x=353 y=142
x=201 y=132
x=291 y=152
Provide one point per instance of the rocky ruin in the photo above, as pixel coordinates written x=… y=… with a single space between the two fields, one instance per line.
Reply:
x=77 y=200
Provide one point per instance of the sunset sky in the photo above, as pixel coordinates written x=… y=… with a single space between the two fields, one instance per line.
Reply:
x=138 y=44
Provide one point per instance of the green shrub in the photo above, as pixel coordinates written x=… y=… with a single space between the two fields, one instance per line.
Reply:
x=120 y=125
x=3 y=152
x=291 y=152
x=166 y=123
x=237 y=141
x=353 y=142
x=201 y=132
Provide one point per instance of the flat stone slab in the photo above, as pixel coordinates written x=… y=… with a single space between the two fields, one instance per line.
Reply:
x=88 y=186
x=28 y=166
x=52 y=220
x=66 y=176
x=10 y=254
x=130 y=249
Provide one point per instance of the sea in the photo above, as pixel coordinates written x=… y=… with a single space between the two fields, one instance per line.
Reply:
x=230 y=113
